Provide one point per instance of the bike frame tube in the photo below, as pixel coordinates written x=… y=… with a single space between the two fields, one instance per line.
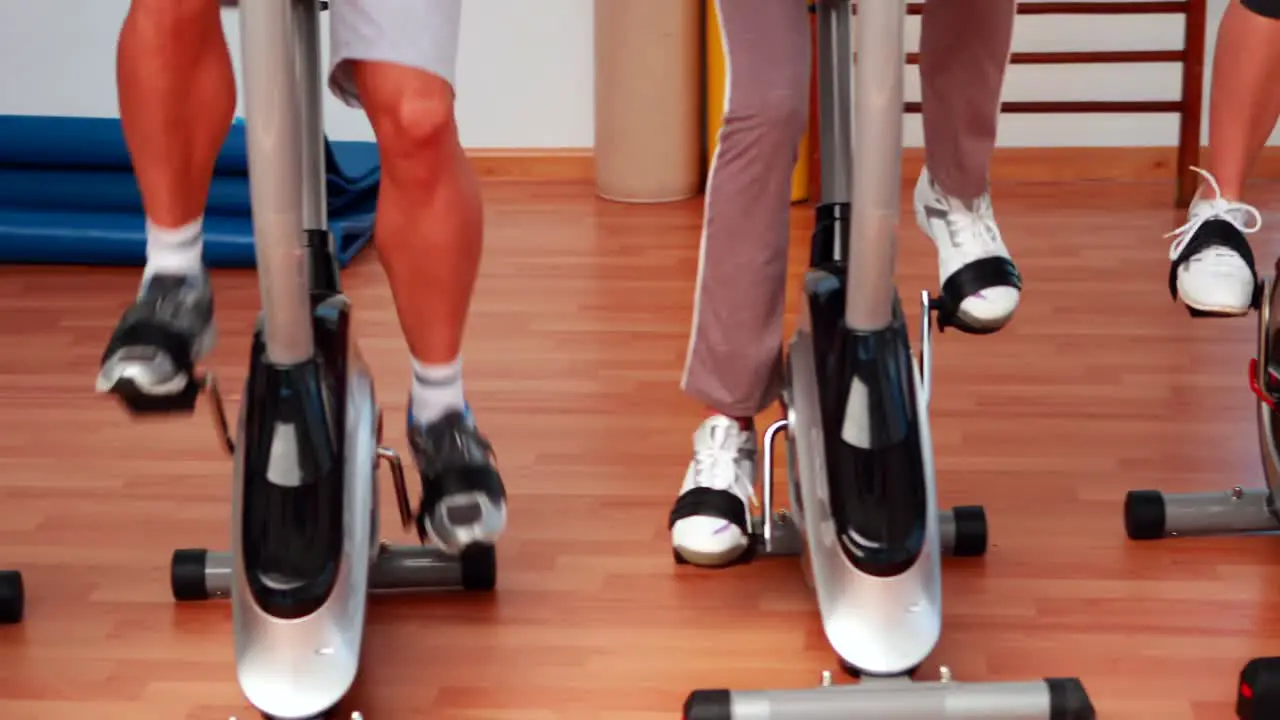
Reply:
x=876 y=166
x=835 y=107
x=315 y=201
x=273 y=129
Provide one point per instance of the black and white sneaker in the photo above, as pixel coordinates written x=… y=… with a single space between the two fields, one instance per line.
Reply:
x=710 y=522
x=1211 y=264
x=463 y=499
x=159 y=339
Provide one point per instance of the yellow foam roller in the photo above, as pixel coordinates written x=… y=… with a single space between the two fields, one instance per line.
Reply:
x=715 y=104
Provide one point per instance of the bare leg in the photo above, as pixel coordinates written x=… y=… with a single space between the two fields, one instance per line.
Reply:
x=1212 y=266
x=430 y=221
x=429 y=231
x=177 y=97
x=1244 y=101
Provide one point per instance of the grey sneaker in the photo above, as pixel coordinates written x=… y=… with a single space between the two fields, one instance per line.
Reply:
x=151 y=357
x=463 y=498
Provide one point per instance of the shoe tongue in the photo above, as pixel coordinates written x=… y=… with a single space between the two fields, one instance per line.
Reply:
x=719 y=432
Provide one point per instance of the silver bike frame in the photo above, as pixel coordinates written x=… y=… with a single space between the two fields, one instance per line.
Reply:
x=281 y=128
x=877 y=161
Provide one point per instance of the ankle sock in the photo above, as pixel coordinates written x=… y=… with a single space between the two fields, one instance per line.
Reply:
x=436 y=391
x=175 y=251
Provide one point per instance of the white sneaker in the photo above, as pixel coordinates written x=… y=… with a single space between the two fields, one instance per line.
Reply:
x=1211 y=257
x=710 y=521
x=963 y=234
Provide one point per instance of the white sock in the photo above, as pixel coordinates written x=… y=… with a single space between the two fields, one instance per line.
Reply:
x=436 y=392
x=175 y=251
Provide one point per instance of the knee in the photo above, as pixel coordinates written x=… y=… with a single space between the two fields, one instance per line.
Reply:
x=412 y=117
x=1265 y=8
x=773 y=119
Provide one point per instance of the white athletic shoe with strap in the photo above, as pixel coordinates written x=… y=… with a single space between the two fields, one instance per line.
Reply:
x=1211 y=264
x=710 y=521
x=979 y=286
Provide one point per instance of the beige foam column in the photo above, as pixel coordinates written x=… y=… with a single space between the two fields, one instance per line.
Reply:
x=648 y=99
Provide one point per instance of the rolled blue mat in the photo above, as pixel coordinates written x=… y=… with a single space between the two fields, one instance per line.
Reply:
x=68 y=196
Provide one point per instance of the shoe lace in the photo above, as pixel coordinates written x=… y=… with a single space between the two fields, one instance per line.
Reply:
x=973 y=227
x=1243 y=216
x=717 y=463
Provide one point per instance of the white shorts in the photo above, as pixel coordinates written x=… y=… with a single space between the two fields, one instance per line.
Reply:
x=422 y=34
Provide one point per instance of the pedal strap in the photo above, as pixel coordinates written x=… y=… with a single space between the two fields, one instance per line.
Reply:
x=461 y=479
x=971 y=279
x=1217 y=233
x=710 y=502
x=146 y=332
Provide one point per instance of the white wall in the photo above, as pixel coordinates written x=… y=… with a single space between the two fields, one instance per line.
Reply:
x=525 y=72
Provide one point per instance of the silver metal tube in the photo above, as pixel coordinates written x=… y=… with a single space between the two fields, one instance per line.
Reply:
x=273 y=117
x=397 y=568
x=926 y=349
x=898 y=700
x=1235 y=511
x=877 y=164
x=315 y=215
x=218 y=574
x=766 y=481
x=414 y=568
x=835 y=107
x=946 y=531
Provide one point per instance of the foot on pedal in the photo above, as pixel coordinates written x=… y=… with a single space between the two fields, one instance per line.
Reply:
x=710 y=519
x=1211 y=264
x=980 y=285
x=150 y=360
x=463 y=499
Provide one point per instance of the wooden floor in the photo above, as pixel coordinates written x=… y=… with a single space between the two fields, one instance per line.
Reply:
x=574 y=354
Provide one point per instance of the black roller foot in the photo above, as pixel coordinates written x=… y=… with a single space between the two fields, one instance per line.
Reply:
x=479 y=567
x=186 y=575
x=971 y=531
x=1144 y=515
x=708 y=705
x=1258 y=694
x=1068 y=700
x=12 y=603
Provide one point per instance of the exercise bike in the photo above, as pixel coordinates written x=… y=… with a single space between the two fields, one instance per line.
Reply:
x=860 y=461
x=305 y=549
x=1151 y=514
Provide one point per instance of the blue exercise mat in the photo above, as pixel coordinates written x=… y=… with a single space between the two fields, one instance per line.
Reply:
x=68 y=196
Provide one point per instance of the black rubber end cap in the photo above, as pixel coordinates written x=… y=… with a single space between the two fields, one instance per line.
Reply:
x=1068 y=700
x=1144 y=514
x=971 y=531
x=12 y=603
x=1258 y=695
x=708 y=705
x=479 y=567
x=186 y=575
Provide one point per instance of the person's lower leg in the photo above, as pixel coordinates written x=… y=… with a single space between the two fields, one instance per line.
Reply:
x=1244 y=99
x=964 y=51
x=429 y=225
x=177 y=97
